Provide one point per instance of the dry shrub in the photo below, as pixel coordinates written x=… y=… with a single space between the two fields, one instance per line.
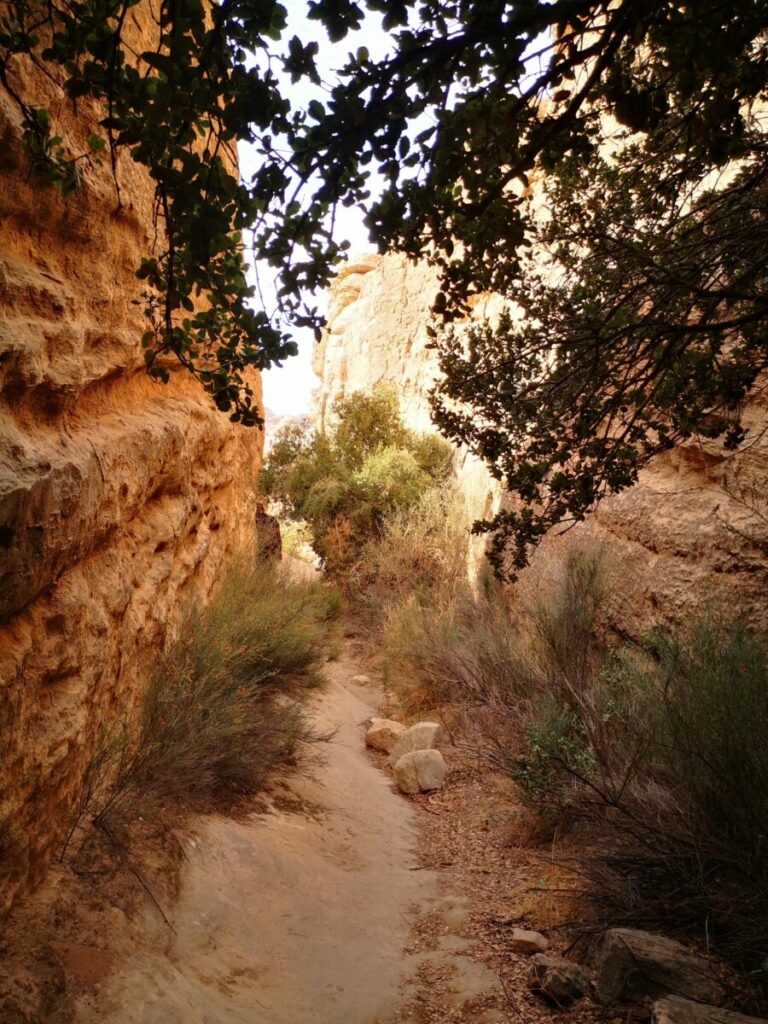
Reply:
x=420 y=554
x=469 y=645
x=681 y=790
x=223 y=709
x=656 y=755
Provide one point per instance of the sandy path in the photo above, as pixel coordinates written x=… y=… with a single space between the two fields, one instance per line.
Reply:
x=291 y=918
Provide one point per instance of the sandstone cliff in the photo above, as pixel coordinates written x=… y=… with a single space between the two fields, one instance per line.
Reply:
x=119 y=497
x=693 y=530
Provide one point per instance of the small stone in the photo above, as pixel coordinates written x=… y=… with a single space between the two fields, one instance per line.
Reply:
x=419 y=771
x=422 y=736
x=361 y=680
x=525 y=942
x=383 y=734
x=561 y=981
x=634 y=964
x=676 y=1010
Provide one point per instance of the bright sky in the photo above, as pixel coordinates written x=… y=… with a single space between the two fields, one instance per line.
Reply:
x=288 y=389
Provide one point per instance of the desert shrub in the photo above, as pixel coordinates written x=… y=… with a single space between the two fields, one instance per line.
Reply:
x=224 y=706
x=686 y=781
x=471 y=646
x=656 y=754
x=344 y=483
x=421 y=551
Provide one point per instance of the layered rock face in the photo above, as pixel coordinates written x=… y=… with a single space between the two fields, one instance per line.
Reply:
x=119 y=497
x=692 y=533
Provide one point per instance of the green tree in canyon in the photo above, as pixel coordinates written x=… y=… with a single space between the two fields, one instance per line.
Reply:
x=599 y=165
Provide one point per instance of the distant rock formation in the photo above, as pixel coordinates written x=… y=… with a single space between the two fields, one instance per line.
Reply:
x=376 y=333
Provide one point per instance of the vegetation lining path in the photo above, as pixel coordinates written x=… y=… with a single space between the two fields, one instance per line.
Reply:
x=298 y=916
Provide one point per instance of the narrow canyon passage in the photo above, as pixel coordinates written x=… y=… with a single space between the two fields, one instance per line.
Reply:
x=300 y=915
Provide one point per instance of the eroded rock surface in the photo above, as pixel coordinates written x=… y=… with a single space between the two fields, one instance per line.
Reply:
x=119 y=497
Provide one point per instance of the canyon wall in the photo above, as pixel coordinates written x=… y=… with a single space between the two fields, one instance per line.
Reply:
x=692 y=533
x=119 y=497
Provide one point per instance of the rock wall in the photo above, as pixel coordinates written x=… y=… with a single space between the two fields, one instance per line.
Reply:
x=119 y=497
x=692 y=532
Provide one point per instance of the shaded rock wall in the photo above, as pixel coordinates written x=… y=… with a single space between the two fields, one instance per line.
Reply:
x=119 y=497
x=692 y=532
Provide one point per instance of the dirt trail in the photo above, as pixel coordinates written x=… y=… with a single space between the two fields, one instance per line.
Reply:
x=300 y=915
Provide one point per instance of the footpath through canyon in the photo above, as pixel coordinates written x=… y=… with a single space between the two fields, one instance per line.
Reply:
x=305 y=913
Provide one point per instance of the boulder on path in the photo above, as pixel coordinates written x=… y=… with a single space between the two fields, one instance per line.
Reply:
x=422 y=736
x=634 y=964
x=421 y=770
x=559 y=980
x=523 y=941
x=361 y=680
x=676 y=1010
x=383 y=734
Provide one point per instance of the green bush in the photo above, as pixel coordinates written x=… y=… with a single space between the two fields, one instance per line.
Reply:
x=345 y=483
x=420 y=552
x=224 y=707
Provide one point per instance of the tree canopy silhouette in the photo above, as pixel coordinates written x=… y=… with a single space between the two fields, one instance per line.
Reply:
x=600 y=165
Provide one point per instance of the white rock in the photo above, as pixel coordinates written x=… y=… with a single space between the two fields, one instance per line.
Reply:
x=361 y=680
x=421 y=770
x=383 y=734
x=523 y=941
x=422 y=736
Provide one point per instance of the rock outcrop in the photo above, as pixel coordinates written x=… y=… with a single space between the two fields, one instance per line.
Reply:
x=632 y=964
x=119 y=498
x=693 y=530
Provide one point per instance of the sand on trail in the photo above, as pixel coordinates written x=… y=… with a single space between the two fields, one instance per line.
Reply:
x=295 y=916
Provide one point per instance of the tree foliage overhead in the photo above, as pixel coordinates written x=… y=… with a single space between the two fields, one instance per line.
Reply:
x=643 y=289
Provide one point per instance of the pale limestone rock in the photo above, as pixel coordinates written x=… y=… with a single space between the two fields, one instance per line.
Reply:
x=119 y=497
x=376 y=332
x=524 y=942
x=634 y=964
x=422 y=736
x=420 y=771
x=559 y=980
x=361 y=680
x=383 y=734
x=676 y=1010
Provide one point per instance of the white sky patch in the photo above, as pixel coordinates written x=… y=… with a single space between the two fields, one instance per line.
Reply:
x=288 y=388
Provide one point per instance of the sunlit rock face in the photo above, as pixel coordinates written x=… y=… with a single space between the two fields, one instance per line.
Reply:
x=692 y=534
x=119 y=497
x=376 y=333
